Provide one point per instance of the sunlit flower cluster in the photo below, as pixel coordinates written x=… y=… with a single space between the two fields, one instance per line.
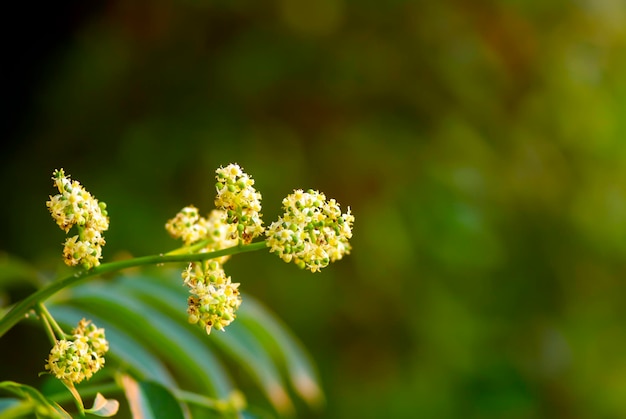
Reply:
x=214 y=299
x=79 y=357
x=236 y=195
x=312 y=232
x=236 y=219
x=74 y=206
x=220 y=233
x=189 y=226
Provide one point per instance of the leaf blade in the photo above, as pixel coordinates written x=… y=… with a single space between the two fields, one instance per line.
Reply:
x=150 y=400
x=286 y=347
x=165 y=337
x=104 y=407
x=44 y=406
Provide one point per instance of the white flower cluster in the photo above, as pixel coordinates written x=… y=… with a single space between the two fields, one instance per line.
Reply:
x=312 y=232
x=73 y=360
x=74 y=206
x=236 y=195
x=214 y=299
x=189 y=226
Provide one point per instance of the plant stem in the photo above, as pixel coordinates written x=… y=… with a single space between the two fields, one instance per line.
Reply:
x=50 y=326
x=190 y=249
x=198 y=399
x=89 y=391
x=19 y=310
x=60 y=334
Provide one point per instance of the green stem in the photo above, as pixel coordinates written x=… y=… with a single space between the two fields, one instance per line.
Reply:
x=51 y=327
x=55 y=326
x=81 y=232
x=19 y=310
x=190 y=249
x=88 y=391
x=197 y=399
x=47 y=327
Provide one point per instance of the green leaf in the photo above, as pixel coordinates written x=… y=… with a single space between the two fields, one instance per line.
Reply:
x=235 y=342
x=238 y=343
x=16 y=277
x=8 y=403
x=285 y=348
x=15 y=408
x=42 y=406
x=180 y=348
x=152 y=310
x=76 y=395
x=231 y=406
x=103 y=407
x=150 y=400
x=15 y=271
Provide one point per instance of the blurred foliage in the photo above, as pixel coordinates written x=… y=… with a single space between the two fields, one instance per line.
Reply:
x=480 y=145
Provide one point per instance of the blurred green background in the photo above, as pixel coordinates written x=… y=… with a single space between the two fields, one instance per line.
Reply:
x=479 y=144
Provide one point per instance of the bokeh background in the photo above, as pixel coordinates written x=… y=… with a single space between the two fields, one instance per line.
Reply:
x=479 y=144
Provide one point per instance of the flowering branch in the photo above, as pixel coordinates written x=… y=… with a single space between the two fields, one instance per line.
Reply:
x=311 y=233
x=24 y=306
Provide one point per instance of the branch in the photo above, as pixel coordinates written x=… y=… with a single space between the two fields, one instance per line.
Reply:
x=22 y=308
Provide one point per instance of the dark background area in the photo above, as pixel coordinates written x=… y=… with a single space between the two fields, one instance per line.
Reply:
x=479 y=144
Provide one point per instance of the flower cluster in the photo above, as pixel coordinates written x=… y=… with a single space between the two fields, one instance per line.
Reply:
x=189 y=226
x=78 y=358
x=214 y=299
x=236 y=195
x=312 y=232
x=74 y=206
